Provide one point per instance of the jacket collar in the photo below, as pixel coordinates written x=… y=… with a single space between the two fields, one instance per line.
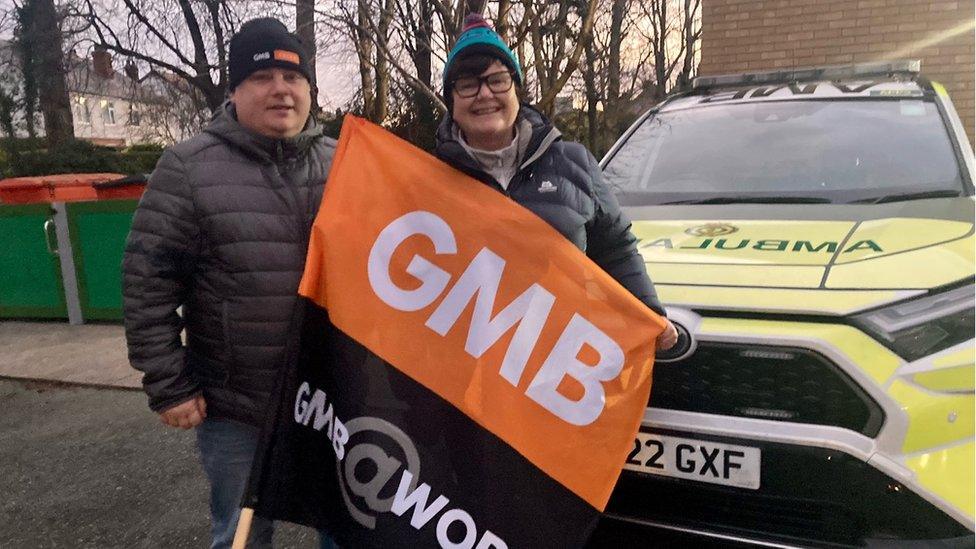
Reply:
x=262 y=148
x=543 y=135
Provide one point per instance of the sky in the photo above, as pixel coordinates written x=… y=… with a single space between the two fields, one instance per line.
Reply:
x=336 y=71
x=337 y=76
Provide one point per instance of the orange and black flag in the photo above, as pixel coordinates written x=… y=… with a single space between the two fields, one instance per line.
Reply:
x=466 y=376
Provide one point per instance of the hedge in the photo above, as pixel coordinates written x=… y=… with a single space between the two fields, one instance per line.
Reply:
x=77 y=157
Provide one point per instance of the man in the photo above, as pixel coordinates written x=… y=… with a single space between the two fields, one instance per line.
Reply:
x=222 y=231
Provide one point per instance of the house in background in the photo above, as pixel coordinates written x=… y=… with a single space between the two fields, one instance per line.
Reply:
x=109 y=107
x=118 y=108
x=751 y=35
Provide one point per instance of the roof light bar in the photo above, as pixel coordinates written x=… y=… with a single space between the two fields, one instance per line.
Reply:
x=833 y=72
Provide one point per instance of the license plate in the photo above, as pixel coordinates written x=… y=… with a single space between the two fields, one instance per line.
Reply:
x=700 y=460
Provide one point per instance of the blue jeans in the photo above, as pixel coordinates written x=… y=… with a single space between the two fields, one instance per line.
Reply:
x=226 y=450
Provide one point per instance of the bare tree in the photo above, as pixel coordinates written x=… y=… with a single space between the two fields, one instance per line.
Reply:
x=669 y=28
x=42 y=64
x=414 y=28
x=691 y=32
x=305 y=29
x=556 y=45
x=502 y=25
x=172 y=109
x=24 y=44
x=606 y=54
x=611 y=104
x=7 y=107
x=186 y=38
x=371 y=29
x=381 y=107
x=360 y=29
x=593 y=94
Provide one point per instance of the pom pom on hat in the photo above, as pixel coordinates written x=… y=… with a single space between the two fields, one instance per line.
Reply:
x=474 y=21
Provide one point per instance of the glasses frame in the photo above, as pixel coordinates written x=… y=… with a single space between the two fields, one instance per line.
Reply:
x=483 y=81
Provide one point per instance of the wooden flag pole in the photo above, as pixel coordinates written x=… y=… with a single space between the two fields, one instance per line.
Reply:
x=243 y=528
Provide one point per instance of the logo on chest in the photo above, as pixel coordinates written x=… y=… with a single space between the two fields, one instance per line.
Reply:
x=547 y=187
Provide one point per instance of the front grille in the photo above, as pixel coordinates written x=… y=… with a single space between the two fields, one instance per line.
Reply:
x=766 y=382
x=746 y=513
x=808 y=496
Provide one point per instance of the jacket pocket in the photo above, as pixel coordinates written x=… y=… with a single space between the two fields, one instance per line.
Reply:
x=205 y=372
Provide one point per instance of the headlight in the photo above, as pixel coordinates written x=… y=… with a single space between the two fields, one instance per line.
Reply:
x=925 y=325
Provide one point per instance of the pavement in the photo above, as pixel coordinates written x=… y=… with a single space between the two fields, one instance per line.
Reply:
x=83 y=461
x=89 y=354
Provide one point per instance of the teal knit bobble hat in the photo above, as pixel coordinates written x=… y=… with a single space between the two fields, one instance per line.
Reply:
x=479 y=35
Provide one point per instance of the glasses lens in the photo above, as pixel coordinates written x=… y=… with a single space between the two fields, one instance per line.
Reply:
x=467 y=87
x=499 y=82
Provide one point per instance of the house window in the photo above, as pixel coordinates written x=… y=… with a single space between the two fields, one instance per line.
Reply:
x=135 y=117
x=110 y=113
x=84 y=113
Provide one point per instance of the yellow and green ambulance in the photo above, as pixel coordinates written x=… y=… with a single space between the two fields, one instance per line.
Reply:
x=811 y=233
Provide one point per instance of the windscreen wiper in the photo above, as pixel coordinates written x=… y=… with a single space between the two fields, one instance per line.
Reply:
x=914 y=195
x=752 y=200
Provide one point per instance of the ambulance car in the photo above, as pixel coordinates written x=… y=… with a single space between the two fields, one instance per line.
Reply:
x=811 y=233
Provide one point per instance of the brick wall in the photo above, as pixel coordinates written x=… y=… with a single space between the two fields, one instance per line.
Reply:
x=744 y=35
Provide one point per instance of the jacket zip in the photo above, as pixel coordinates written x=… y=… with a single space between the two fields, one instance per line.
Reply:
x=520 y=174
x=301 y=221
x=524 y=174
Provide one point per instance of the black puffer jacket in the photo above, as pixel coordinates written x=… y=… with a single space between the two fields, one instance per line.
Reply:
x=561 y=182
x=222 y=230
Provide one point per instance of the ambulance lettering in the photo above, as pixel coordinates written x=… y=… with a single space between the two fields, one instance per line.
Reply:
x=765 y=245
x=794 y=88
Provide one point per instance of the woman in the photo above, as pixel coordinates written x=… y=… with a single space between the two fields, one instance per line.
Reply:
x=513 y=148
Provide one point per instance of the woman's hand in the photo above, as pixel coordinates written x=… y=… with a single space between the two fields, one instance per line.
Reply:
x=668 y=337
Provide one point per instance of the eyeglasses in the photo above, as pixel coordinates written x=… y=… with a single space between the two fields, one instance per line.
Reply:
x=470 y=86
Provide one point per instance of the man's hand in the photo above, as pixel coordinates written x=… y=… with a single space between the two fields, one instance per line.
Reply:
x=186 y=415
x=668 y=337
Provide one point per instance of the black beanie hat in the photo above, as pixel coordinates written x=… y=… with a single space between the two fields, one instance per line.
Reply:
x=263 y=43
